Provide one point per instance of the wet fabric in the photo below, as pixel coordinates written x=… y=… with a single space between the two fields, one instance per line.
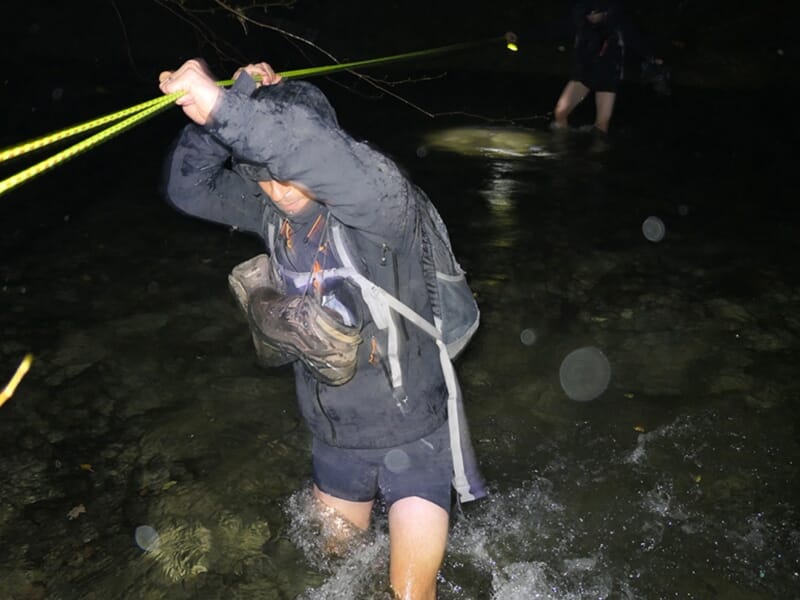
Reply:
x=420 y=468
x=367 y=194
x=371 y=198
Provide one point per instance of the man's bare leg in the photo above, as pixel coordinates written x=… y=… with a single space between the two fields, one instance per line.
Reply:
x=604 y=102
x=418 y=532
x=574 y=92
x=342 y=520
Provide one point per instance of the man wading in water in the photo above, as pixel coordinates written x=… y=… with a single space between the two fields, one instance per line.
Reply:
x=268 y=157
x=602 y=34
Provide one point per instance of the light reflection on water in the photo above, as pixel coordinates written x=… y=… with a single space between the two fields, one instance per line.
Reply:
x=486 y=141
x=501 y=192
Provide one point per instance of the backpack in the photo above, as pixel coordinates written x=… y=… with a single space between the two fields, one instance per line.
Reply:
x=455 y=311
x=456 y=318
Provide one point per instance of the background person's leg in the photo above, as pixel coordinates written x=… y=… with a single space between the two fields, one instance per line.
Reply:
x=604 y=102
x=418 y=532
x=572 y=95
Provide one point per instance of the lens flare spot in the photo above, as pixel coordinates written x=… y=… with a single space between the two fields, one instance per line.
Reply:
x=147 y=538
x=585 y=374
x=397 y=461
x=528 y=337
x=653 y=229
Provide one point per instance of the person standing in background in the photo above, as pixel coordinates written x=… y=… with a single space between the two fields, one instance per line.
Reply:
x=601 y=35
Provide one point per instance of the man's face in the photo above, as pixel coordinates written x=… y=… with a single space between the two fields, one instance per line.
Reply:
x=290 y=199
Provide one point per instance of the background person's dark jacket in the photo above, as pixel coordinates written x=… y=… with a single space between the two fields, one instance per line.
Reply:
x=593 y=40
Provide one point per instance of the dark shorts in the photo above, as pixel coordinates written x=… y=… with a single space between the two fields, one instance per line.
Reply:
x=421 y=468
x=599 y=73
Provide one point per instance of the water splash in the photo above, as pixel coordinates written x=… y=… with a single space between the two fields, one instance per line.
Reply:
x=357 y=568
x=599 y=521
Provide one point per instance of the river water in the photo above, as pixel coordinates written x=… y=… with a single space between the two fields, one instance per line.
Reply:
x=666 y=255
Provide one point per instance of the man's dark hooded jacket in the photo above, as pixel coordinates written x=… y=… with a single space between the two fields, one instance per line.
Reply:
x=288 y=132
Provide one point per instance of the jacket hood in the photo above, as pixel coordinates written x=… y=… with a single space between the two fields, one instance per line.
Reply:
x=289 y=93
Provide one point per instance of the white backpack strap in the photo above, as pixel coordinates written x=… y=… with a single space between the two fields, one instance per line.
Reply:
x=454 y=414
x=380 y=304
x=271 y=238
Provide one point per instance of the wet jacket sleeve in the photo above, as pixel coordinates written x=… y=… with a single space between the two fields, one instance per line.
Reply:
x=362 y=188
x=199 y=183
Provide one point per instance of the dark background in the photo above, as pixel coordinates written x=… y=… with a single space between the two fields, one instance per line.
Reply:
x=67 y=62
x=91 y=46
x=93 y=261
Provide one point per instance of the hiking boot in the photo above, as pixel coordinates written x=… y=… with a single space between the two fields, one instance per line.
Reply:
x=248 y=276
x=300 y=326
x=255 y=275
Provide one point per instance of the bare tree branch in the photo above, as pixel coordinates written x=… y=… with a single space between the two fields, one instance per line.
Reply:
x=207 y=35
x=128 y=48
x=243 y=13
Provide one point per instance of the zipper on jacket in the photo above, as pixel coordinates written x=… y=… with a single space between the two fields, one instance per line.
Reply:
x=325 y=414
x=396 y=292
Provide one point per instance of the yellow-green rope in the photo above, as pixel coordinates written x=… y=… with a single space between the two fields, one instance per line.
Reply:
x=147 y=109
x=72 y=151
x=370 y=62
x=51 y=138
x=11 y=386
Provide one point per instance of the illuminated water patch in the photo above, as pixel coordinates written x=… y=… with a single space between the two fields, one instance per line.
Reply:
x=501 y=142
